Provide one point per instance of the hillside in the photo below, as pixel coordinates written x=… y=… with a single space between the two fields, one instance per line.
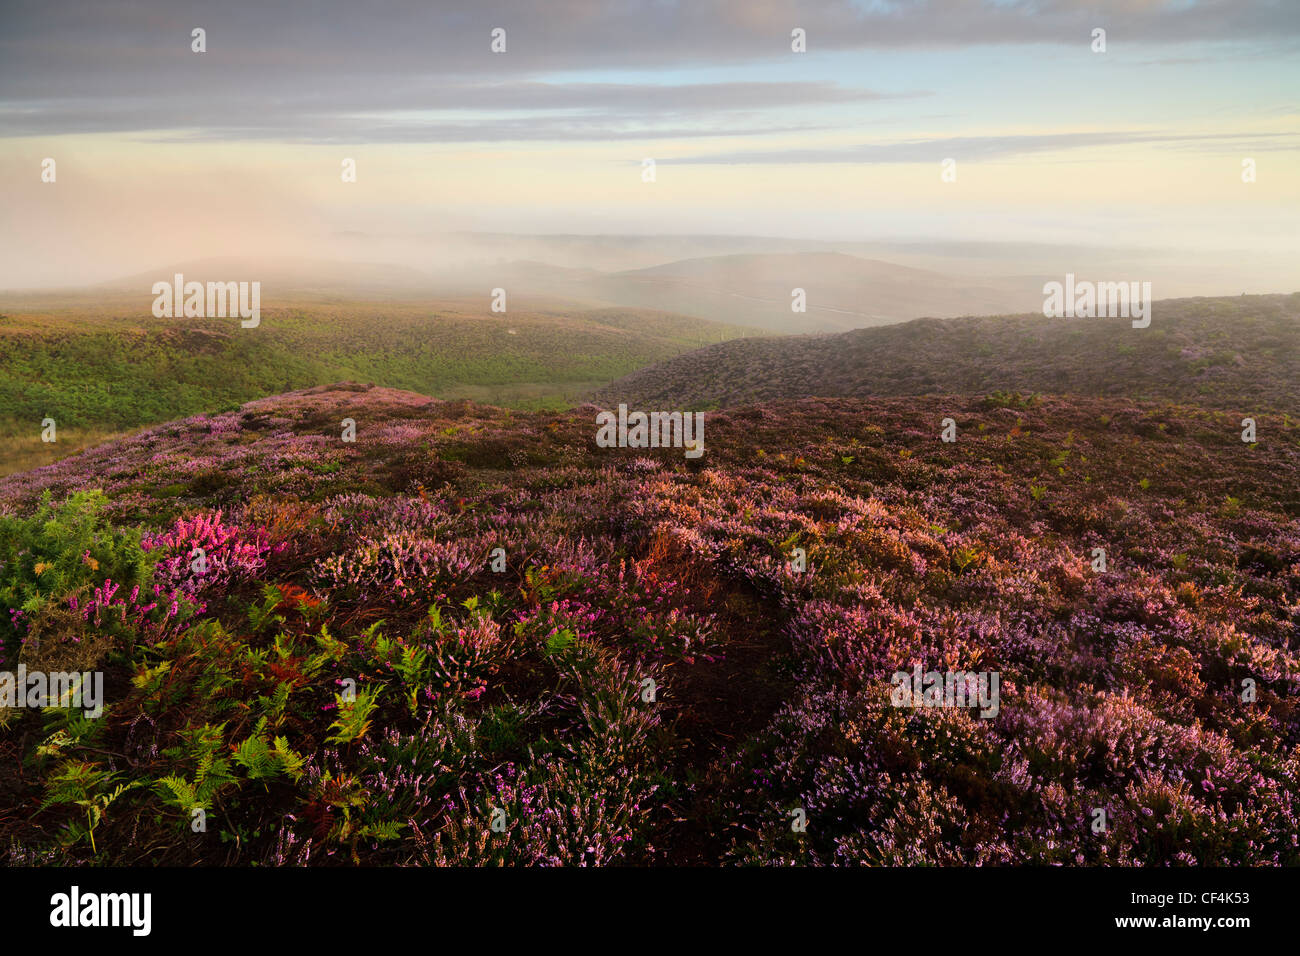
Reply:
x=105 y=365
x=842 y=291
x=747 y=289
x=1235 y=352
x=753 y=289
x=354 y=673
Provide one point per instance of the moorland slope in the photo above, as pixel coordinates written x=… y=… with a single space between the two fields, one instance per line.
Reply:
x=1239 y=352
x=355 y=672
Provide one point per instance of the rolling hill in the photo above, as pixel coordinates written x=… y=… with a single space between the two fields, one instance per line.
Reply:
x=1241 y=352
x=747 y=289
x=842 y=291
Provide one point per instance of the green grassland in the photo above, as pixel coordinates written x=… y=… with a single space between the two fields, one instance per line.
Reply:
x=106 y=367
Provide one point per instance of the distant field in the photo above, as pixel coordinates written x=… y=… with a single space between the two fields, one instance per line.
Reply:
x=110 y=367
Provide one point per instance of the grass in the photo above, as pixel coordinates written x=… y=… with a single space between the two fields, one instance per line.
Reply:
x=98 y=369
x=24 y=450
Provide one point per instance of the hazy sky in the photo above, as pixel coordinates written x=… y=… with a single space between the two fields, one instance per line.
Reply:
x=165 y=154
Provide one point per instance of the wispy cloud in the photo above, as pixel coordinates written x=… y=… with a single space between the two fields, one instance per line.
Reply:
x=974 y=148
x=506 y=111
x=121 y=65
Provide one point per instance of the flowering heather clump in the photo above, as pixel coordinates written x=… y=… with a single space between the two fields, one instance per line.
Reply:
x=204 y=552
x=152 y=615
x=356 y=513
x=401 y=562
x=412 y=648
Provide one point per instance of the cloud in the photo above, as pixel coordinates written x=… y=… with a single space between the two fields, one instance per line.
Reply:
x=336 y=50
x=409 y=71
x=607 y=129
x=976 y=148
x=549 y=111
x=132 y=46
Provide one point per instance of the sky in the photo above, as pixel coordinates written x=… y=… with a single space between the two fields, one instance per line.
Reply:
x=164 y=154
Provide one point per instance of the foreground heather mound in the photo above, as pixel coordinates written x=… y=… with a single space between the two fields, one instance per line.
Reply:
x=348 y=675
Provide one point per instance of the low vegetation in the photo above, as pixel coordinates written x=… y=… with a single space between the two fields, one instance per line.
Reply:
x=116 y=368
x=640 y=674
x=1240 y=353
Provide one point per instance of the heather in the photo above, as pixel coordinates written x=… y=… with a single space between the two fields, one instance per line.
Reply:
x=348 y=677
x=1240 y=353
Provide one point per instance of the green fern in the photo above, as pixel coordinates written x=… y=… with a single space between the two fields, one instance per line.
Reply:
x=354 y=716
x=266 y=759
x=263 y=615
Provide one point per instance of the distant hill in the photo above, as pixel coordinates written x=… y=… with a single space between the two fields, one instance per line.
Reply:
x=842 y=292
x=753 y=289
x=1238 y=352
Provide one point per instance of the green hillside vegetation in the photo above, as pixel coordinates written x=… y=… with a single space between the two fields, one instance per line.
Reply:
x=112 y=367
